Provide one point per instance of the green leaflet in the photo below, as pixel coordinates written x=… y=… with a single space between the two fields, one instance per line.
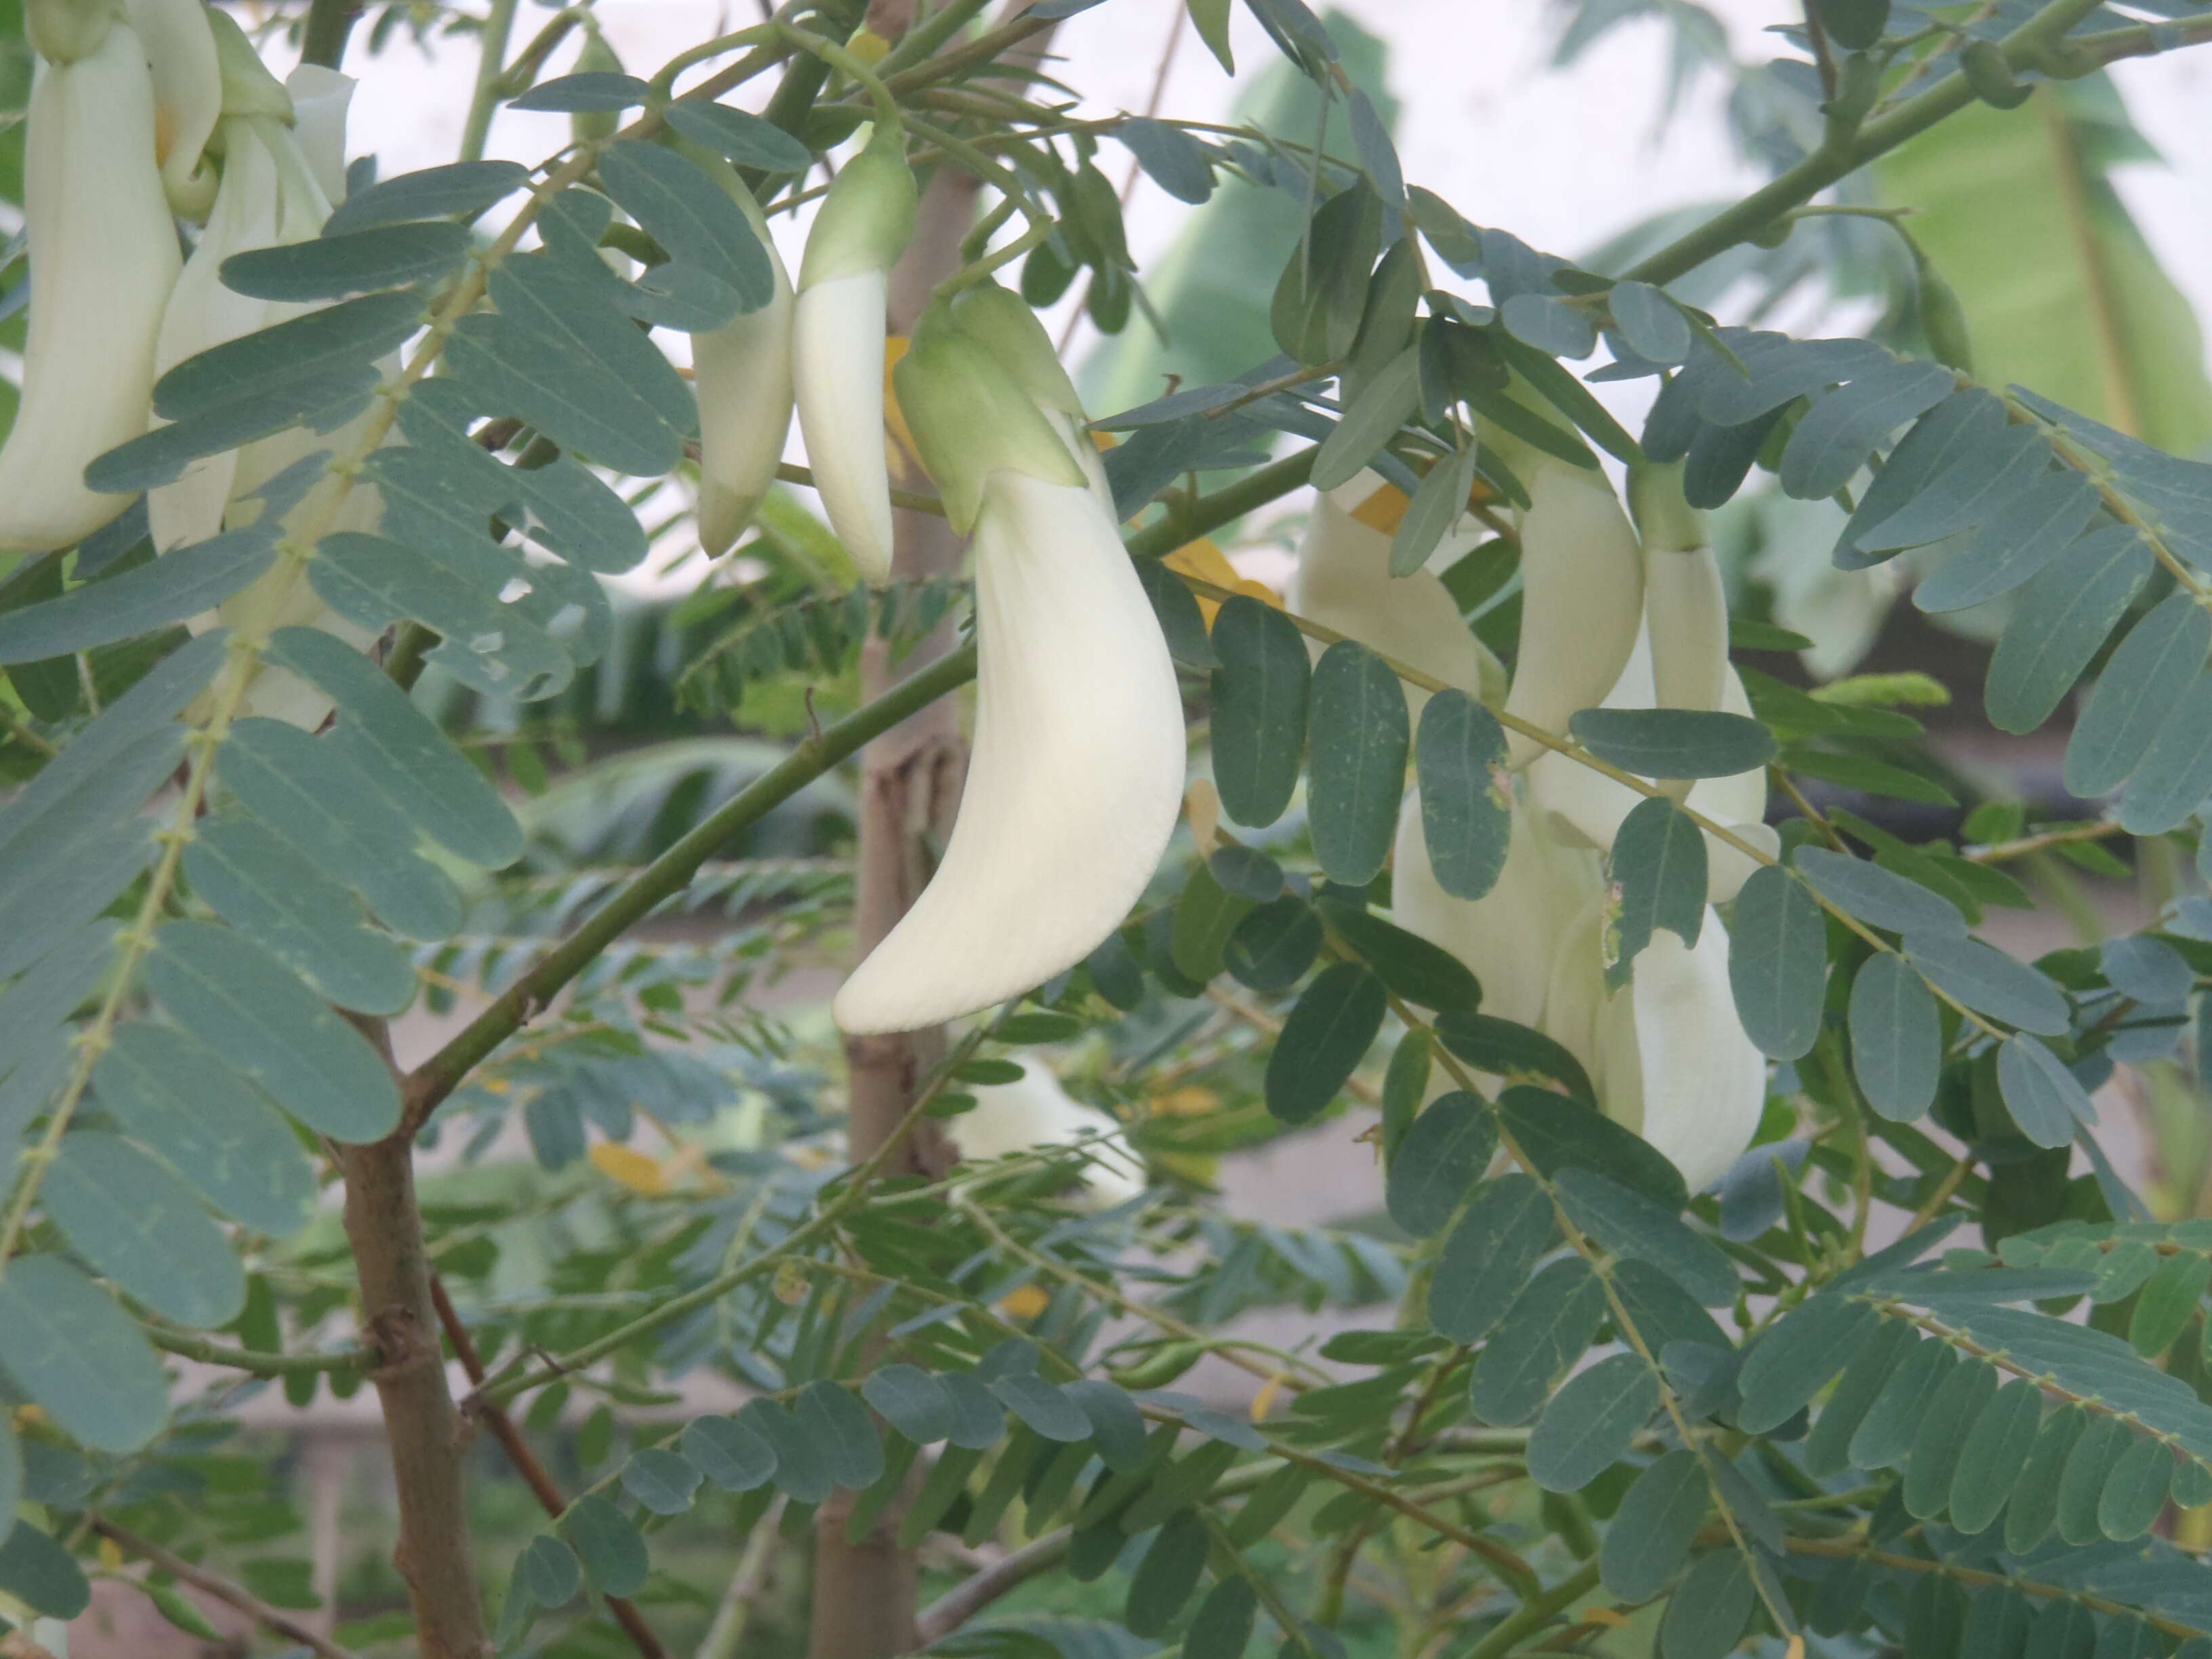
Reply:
x=1778 y=962
x=1466 y=817
x=1545 y=1330
x=1590 y=1422
x=1357 y=740
x=1897 y=1037
x=1442 y=1156
x=244 y=1003
x=142 y=1228
x=1674 y=743
x=1658 y=870
x=1322 y=1041
x=1486 y=1258
x=1259 y=692
x=66 y=1345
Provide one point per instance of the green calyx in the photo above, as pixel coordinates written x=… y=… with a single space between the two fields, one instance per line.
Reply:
x=248 y=87
x=971 y=417
x=867 y=218
x=1663 y=518
x=63 y=31
x=1001 y=320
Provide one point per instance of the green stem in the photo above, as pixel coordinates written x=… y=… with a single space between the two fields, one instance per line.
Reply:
x=1824 y=166
x=249 y=1360
x=330 y=22
x=498 y=24
x=1535 y=1613
x=887 y=109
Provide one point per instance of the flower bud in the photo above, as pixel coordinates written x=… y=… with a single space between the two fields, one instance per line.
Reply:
x=743 y=374
x=1582 y=586
x=837 y=344
x=1075 y=780
x=596 y=57
x=103 y=252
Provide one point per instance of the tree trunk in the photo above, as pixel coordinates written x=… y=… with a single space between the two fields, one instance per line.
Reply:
x=399 y=1325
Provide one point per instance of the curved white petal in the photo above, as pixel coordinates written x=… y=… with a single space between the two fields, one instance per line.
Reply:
x=742 y=371
x=187 y=92
x=1685 y=616
x=1009 y=1118
x=1582 y=580
x=1679 y=1069
x=1575 y=999
x=1509 y=936
x=1076 y=777
x=103 y=257
x=203 y=312
x=837 y=364
x=320 y=98
x=1078 y=436
x=1344 y=581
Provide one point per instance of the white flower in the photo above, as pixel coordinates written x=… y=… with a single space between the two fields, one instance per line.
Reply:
x=1076 y=777
x=320 y=98
x=1582 y=585
x=1507 y=936
x=837 y=345
x=1012 y=1118
x=1344 y=582
x=742 y=371
x=1666 y=1053
x=1592 y=806
x=103 y=255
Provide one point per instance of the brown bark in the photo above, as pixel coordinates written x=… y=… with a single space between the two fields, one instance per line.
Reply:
x=399 y=1325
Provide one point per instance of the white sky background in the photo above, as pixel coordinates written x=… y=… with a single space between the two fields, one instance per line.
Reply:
x=1562 y=159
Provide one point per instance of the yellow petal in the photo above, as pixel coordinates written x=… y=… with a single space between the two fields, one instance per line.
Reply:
x=633 y=1169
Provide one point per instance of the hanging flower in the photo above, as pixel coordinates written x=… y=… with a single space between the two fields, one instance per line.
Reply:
x=1582 y=587
x=742 y=371
x=1076 y=777
x=1666 y=1053
x=1036 y=1110
x=1685 y=605
x=837 y=344
x=103 y=255
x=1344 y=582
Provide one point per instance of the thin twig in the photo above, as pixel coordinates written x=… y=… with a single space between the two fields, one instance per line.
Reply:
x=232 y=1595
x=494 y=1417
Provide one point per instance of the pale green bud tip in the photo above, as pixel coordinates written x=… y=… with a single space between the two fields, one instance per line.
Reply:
x=867 y=218
x=63 y=31
x=1664 y=517
x=248 y=87
x=1001 y=321
x=970 y=417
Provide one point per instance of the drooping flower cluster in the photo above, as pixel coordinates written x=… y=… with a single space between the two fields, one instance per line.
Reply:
x=141 y=115
x=1601 y=609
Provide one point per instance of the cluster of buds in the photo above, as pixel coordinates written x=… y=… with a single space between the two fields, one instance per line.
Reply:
x=1076 y=774
x=146 y=111
x=1610 y=616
